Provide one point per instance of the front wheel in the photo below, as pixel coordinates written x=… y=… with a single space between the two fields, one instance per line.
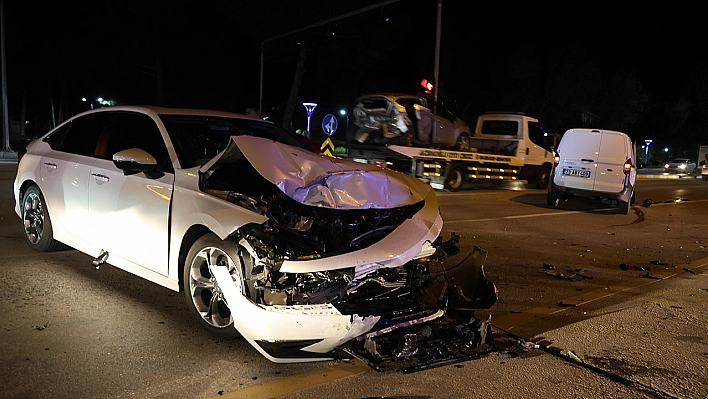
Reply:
x=37 y=225
x=202 y=292
x=454 y=179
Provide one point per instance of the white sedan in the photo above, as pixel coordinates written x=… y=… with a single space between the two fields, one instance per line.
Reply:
x=295 y=251
x=680 y=165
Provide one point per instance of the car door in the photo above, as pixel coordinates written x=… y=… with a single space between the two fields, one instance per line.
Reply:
x=64 y=175
x=443 y=127
x=130 y=213
x=614 y=151
x=579 y=150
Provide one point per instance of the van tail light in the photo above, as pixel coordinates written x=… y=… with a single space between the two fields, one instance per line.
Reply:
x=627 y=166
x=20 y=153
x=556 y=159
x=704 y=166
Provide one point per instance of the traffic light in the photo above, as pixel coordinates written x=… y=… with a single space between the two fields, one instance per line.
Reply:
x=427 y=85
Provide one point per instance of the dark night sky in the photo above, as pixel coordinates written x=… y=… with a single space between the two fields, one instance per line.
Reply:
x=210 y=53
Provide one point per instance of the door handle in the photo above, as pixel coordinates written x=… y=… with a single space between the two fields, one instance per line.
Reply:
x=100 y=178
x=50 y=166
x=587 y=160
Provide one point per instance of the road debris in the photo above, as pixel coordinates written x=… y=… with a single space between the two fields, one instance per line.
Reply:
x=647 y=275
x=40 y=328
x=520 y=349
x=689 y=270
x=549 y=266
x=566 y=305
x=646 y=203
x=656 y=262
x=575 y=275
x=570 y=355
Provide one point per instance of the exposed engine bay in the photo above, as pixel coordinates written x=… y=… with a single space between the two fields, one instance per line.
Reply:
x=402 y=299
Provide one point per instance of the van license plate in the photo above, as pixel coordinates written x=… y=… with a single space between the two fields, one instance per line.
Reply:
x=576 y=172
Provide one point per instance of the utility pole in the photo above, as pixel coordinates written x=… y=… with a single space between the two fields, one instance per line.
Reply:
x=436 y=69
x=5 y=121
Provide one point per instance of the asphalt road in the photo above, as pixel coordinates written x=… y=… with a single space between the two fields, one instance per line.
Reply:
x=626 y=319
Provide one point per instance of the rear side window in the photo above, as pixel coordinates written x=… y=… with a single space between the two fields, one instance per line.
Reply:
x=80 y=136
x=505 y=128
x=374 y=103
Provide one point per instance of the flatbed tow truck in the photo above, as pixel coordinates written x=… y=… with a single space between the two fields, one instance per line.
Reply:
x=505 y=147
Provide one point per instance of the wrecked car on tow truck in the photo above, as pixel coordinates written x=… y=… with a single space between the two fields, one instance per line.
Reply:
x=299 y=253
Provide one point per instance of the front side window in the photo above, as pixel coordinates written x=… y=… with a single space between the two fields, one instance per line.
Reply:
x=138 y=131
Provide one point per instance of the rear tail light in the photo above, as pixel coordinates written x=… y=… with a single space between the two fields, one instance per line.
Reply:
x=704 y=166
x=556 y=159
x=627 y=166
x=20 y=153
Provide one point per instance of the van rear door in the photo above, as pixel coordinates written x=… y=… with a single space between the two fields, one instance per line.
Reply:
x=614 y=151
x=579 y=153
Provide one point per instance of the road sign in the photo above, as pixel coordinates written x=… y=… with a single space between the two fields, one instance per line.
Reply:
x=329 y=124
x=327 y=147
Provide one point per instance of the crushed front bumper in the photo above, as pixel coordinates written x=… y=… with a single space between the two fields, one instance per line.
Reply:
x=455 y=337
x=445 y=331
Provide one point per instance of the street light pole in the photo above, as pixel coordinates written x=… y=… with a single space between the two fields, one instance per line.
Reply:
x=344 y=113
x=646 y=151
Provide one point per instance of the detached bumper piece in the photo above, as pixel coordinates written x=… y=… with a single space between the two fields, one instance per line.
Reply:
x=436 y=340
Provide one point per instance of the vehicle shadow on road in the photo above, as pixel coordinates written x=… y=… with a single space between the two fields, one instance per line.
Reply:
x=576 y=204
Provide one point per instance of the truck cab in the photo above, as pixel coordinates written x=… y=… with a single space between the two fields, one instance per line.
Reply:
x=516 y=135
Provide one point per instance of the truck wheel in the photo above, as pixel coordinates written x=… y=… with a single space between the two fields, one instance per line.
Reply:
x=552 y=198
x=463 y=142
x=543 y=178
x=455 y=178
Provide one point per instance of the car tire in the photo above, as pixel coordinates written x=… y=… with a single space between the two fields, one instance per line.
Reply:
x=552 y=198
x=463 y=142
x=705 y=178
x=543 y=178
x=37 y=225
x=202 y=293
x=623 y=207
x=455 y=178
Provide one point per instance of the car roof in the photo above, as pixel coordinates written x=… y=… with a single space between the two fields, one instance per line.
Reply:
x=392 y=96
x=155 y=111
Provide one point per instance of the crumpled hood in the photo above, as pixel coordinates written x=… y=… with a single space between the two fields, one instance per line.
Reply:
x=319 y=180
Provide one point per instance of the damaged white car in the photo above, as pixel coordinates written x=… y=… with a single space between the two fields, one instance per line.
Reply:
x=297 y=252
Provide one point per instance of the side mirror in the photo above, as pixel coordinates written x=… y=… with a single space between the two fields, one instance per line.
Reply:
x=135 y=160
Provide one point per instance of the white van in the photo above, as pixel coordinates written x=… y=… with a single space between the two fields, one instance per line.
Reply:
x=596 y=164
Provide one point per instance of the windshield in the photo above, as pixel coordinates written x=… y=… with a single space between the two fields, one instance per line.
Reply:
x=197 y=139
